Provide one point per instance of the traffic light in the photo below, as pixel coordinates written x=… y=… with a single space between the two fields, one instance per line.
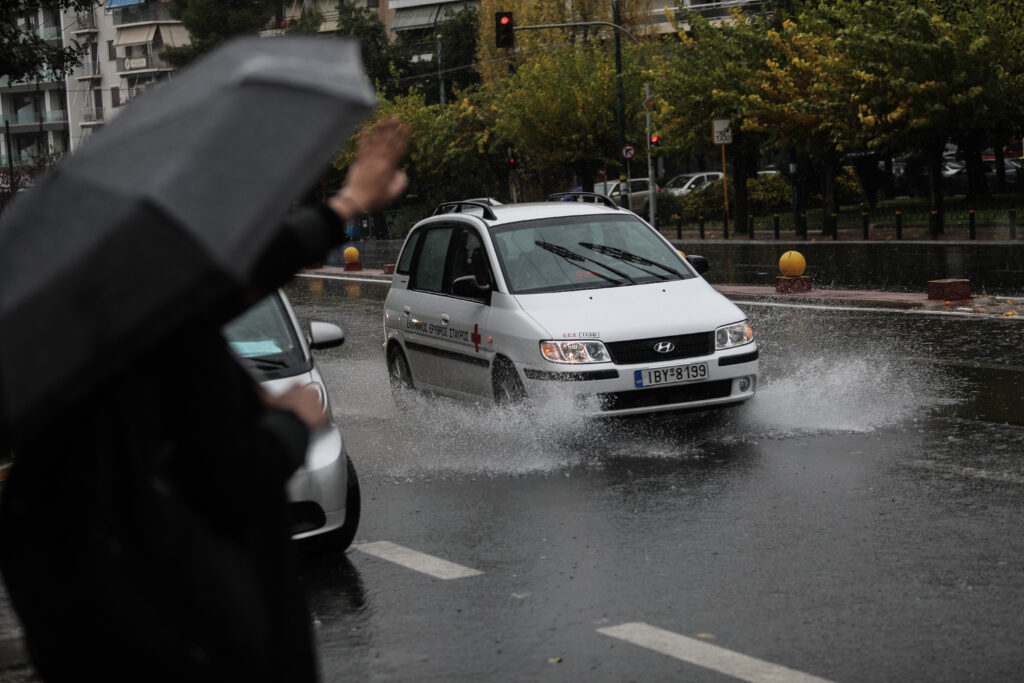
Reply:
x=511 y=160
x=655 y=139
x=503 y=30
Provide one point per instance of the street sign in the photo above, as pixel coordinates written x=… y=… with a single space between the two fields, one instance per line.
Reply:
x=721 y=133
x=628 y=151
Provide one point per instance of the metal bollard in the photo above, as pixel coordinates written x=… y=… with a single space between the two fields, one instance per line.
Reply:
x=803 y=226
x=725 y=228
x=899 y=225
x=750 y=225
x=971 y=230
x=679 y=226
x=775 y=224
x=700 y=222
x=864 y=224
x=835 y=226
x=1013 y=224
x=933 y=223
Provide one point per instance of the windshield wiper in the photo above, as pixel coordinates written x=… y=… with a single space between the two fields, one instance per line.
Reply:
x=630 y=257
x=572 y=257
x=264 y=363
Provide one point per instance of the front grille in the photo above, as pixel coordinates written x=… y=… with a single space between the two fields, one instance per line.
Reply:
x=642 y=350
x=682 y=393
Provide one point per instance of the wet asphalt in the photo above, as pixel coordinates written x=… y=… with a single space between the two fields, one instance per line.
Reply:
x=857 y=521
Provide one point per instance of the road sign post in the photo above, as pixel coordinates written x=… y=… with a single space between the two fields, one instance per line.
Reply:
x=721 y=134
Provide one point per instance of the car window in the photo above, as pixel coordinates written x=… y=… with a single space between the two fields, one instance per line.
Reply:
x=584 y=252
x=467 y=257
x=405 y=260
x=428 y=272
x=638 y=186
x=264 y=337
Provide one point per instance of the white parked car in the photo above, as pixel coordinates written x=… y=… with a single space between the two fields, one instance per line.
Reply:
x=684 y=184
x=562 y=300
x=324 y=499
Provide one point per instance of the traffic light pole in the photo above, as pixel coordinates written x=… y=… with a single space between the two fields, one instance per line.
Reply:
x=652 y=191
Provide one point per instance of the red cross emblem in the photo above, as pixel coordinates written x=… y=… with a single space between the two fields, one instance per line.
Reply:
x=475 y=337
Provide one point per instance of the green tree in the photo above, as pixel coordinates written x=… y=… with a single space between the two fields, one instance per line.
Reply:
x=24 y=54
x=704 y=76
x=211 y=22
x=380 y=59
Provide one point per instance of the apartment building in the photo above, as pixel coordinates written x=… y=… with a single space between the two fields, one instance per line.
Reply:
x=123 y=41
x=33 y=113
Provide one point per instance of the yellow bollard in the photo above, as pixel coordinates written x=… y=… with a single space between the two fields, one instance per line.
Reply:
x=352 y=261
x=792 y=265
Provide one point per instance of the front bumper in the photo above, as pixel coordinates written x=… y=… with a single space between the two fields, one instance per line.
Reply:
x=608 y=389
x=317 y=490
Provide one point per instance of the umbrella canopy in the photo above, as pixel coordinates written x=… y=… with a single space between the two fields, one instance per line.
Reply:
x=163 y=214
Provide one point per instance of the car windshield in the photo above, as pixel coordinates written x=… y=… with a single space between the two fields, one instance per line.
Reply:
x=584 y=252
x=263 y=337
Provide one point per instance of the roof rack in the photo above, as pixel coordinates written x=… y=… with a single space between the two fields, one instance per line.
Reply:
x=583 y=196
x=456 y=207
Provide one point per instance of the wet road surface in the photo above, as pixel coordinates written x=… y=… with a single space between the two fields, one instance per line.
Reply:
x=858 y=521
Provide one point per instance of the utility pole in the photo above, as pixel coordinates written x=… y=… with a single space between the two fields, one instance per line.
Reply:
x=440 y=71
x=619 y=115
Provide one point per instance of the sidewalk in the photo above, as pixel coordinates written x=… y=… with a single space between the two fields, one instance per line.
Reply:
x=990 y=306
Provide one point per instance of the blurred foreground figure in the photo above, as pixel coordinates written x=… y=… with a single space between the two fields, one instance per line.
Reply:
x=144 y=533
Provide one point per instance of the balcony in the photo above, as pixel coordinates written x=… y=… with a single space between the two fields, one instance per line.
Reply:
x=92 y=115
x=137 y=15
x=48 y=32
x=88 y=69
x=85 y=22
x=34 y=118
x=131 y=65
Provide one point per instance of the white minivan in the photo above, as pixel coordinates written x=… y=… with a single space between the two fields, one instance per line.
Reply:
x=576 y=301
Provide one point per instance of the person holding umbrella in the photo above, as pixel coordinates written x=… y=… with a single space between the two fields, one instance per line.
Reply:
x=144 y=532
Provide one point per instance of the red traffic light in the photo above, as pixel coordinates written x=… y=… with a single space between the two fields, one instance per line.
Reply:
x=504 y=19
x=655 y=139
x=503 y=30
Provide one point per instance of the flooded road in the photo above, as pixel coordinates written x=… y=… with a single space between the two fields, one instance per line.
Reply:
x=857 y=521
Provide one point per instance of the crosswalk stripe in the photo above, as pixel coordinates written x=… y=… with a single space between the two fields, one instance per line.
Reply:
x=415 y=560
x=706 y=655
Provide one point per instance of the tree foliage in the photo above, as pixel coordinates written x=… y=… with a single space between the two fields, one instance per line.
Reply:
x=23 y=54
x=211 y=22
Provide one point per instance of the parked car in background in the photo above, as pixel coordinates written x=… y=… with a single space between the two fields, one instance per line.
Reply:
x=684 y=184
x=639 y=190
x=323 y=494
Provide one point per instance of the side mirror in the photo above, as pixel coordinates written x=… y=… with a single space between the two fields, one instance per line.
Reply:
x=468 y=287
x=325 y=335
x=699 y=263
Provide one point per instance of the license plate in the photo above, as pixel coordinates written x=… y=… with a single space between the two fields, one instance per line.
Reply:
x=673 y=375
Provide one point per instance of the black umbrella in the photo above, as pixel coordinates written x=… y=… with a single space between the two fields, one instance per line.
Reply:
x=162 y=214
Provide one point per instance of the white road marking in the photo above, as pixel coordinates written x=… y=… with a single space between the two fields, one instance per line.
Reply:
x=706 y=655
x=415 y=560
x=971 y=472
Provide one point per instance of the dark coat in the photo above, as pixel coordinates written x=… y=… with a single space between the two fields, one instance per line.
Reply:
x=144 y=534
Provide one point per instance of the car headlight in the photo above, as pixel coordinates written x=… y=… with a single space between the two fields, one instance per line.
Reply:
x=737 y=334
x=589 y=351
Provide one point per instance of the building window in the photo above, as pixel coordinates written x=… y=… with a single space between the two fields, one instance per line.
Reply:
x=115 y=97
x=111 y=51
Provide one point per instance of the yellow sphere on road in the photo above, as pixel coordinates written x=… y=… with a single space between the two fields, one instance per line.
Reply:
x=351 y=255
x=792 y=264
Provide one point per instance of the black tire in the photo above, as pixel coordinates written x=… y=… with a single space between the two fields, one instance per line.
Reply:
x=399 y=375
x=341 y=538
x=508 y=388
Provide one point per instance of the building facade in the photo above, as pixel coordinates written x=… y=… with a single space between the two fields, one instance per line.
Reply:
x=123 y=41
x=33 y=113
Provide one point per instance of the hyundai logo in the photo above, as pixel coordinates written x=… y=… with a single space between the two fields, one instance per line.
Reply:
x=664 y=347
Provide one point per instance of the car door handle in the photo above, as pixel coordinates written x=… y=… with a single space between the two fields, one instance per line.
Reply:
x=445 y=318
x=406 y=311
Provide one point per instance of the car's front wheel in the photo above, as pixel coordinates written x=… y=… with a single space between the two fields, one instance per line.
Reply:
x=508 y=388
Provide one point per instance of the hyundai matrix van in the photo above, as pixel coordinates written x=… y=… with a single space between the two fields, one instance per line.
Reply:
x=575 y=301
